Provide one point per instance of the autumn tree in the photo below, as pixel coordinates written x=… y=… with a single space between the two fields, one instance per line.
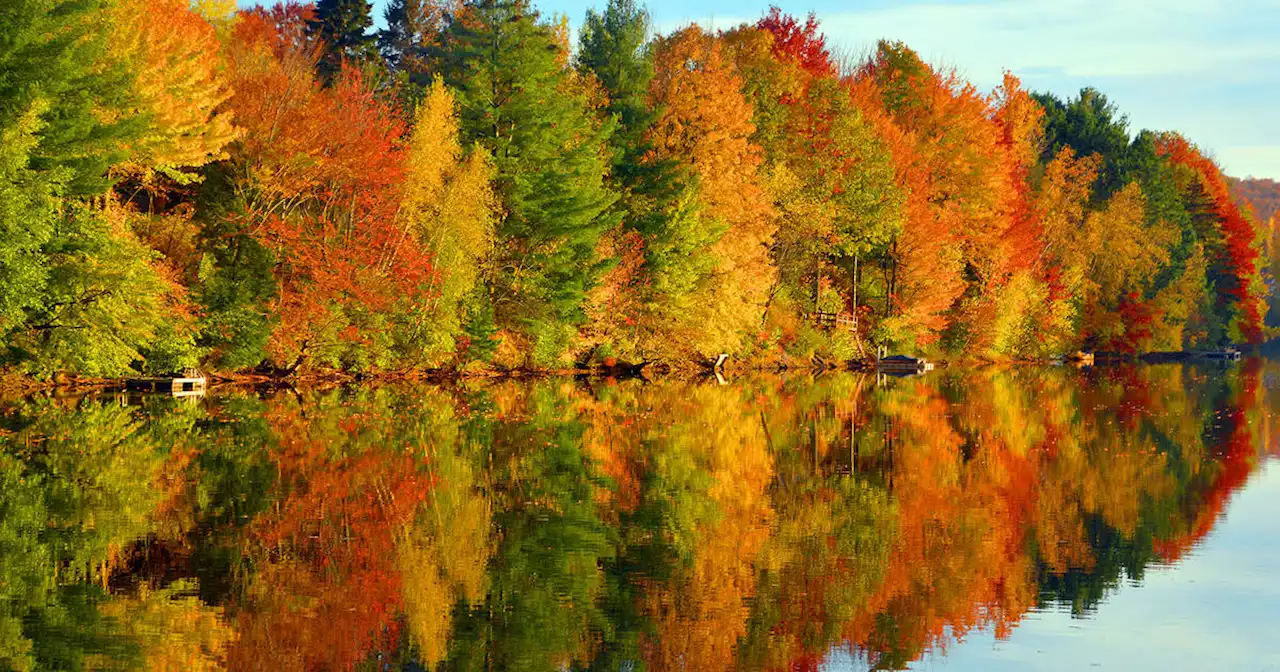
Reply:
x=316 y=183
x=1238 y=277
x=832 y=177
x=518 y=101
x=663 y=245
x=803 y=42
x=179 y=81
x=706 y=124
x=78 y=292
x=449 y=203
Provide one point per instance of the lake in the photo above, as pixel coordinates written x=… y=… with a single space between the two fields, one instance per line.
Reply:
x=1023 y=518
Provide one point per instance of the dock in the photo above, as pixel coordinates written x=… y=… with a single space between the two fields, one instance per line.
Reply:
x=1226 y=355
x=190 y=383
x=903 y=364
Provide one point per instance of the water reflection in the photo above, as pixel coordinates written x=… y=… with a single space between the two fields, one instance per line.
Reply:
x=565 y=524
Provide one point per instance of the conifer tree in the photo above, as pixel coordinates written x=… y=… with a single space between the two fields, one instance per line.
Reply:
x=520 y=103
x=413 y=26
x=659 y=200
x=342 y=26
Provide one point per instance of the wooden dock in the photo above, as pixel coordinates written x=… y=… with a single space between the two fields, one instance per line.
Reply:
x=903 y=364
x=190 y=383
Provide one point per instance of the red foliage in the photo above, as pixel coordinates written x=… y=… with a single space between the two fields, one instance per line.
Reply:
x=326 y=168
x=1138 y=318
x=802 y=42
x=326 y=589
x=1239 y=254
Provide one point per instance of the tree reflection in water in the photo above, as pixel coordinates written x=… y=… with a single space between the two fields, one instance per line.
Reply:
x=563 y=524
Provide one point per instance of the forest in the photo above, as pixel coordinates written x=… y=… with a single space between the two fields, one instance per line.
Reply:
x=286 y=189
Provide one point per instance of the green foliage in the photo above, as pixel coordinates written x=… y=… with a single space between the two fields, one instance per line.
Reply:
x=103 y=308
x=342 y=28
x=521 y=104
x=1089 y=124
x=53 y=57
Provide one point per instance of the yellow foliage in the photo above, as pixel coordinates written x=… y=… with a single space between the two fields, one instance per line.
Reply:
x=1125 y=253
x=449 y=203
x=177 y=631
x=707 y=124
x=443 y=557
x=1060 y=206
x=179 y=77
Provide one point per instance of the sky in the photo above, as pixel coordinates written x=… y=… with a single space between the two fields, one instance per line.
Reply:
x=1207 y=68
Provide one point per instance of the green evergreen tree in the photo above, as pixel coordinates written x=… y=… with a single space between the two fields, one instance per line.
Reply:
x=658 y=197
x=412 y=28
x=343 y=28
x=518 y=100
x=1088 y=124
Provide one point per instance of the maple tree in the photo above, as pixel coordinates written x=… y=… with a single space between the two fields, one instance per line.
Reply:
x=321 y=173
x=706 y=124
x=179 y=80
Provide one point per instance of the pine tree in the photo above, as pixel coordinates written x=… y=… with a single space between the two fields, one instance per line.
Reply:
x=519 y=102
x=413 y=26
x=343 y=28
x=659 y=197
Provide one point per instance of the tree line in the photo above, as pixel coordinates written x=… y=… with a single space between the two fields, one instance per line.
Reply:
x=286 y=188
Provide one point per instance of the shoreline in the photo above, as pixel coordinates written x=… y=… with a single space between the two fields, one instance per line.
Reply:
x=19 y=385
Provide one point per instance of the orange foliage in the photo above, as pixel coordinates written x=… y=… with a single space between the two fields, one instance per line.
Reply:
x=706 y=123
x=323 y=169
x=961 y=159
x=328 y=545
x=179 y=79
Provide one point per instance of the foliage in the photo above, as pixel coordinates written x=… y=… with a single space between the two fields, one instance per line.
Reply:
x=524 y=107
x=286 y=190
x=179 y=81
x=706 y=125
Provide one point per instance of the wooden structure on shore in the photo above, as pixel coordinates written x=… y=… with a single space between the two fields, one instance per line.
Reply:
x=903 y=364
x=829 y=321
x=191 y=383
x=1228 y=354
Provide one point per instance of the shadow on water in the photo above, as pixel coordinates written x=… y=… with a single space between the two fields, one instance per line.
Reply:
x=589 y=524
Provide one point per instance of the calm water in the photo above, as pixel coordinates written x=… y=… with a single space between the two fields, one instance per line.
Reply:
x=1035 y=518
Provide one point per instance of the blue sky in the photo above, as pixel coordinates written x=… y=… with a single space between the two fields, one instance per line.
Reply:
x=1207 y=68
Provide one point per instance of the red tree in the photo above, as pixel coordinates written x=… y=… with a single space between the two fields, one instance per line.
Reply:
x=801 y=41
x=1239 y=254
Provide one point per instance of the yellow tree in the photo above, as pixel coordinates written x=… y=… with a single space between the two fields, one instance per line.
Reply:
x=179 y=80
x=1126 y=256
x=449 y=203
x=707 y=125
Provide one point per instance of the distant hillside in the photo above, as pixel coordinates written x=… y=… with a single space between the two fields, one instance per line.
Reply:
x=1263 y=195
